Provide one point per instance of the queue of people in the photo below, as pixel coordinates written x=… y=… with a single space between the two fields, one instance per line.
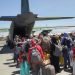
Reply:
x=41 y=54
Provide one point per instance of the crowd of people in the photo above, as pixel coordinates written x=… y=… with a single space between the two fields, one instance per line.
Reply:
x=44 y=54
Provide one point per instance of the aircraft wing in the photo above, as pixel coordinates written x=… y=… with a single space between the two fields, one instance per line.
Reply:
x=11 y=18
x=52 y=18
x=7 y=18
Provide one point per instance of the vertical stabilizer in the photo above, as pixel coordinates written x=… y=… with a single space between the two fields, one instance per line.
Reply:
x=24 y=6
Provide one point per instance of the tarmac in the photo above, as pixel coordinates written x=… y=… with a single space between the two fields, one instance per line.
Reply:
x=7 y=65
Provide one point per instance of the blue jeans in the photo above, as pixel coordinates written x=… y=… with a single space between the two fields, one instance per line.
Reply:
x=66 y=61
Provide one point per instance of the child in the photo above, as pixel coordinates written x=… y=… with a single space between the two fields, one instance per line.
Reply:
x=24 y=66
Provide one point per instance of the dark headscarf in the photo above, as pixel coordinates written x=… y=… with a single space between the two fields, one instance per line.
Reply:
x=54 y=40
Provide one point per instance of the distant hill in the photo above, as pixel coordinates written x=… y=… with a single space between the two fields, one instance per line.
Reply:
x=4 y=29
x=38 y=28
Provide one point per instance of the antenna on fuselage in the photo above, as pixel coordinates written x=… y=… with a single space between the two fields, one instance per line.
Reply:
x=24 y=6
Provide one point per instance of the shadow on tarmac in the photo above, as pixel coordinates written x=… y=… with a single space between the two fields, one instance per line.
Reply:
x=15 y=72
x=1 y=46
x=6 y=50
x=8 y=63
x=9 y=59
x=14 y=65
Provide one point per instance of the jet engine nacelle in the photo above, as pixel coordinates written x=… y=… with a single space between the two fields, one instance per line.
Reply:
x=25 y=19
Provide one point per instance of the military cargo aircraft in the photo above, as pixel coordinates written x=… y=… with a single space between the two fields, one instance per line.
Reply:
x=23 y=23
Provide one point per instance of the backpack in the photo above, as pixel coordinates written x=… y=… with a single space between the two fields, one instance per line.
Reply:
x=46 y=44
x=64 y=42
x=35 y=56
x=58 y=50
x=67 y=42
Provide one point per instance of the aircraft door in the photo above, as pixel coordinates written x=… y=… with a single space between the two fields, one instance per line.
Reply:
x=19 y=31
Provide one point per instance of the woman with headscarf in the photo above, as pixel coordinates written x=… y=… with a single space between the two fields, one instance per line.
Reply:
x=35 y=66
x=66 y=42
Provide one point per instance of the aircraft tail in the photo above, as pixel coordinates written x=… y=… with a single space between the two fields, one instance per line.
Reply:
x=24 y=6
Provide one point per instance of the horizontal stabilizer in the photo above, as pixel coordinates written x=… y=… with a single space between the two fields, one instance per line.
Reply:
x=7 y=18
x=52 y=18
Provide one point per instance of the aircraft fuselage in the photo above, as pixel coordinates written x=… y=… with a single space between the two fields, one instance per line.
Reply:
x=22 y=25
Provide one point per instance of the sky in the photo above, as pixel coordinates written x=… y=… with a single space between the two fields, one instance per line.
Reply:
x=44 y=8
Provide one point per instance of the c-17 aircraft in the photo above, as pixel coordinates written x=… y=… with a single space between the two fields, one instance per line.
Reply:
x=23 y=23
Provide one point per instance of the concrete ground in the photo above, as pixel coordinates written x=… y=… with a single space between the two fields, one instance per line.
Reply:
x=7 y=65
